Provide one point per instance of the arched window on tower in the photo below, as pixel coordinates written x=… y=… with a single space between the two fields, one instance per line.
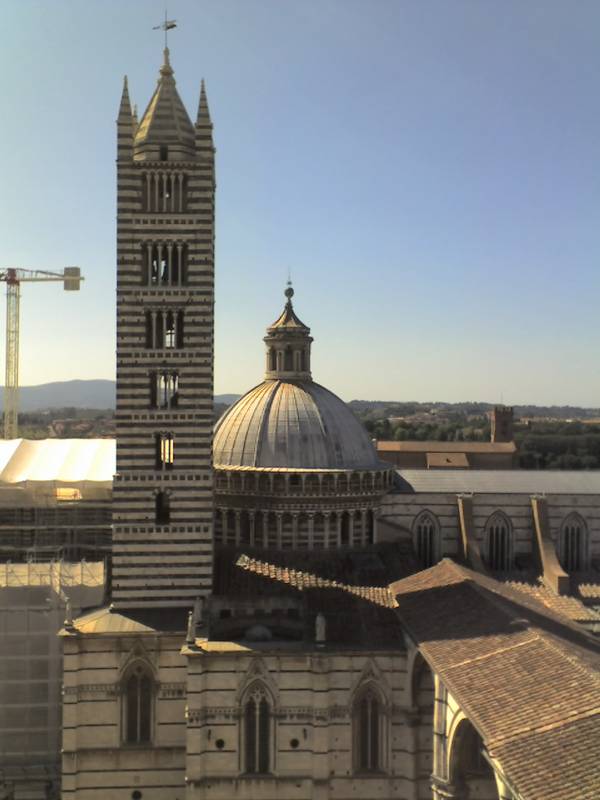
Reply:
x=499 y=542
x=426 y=538
x=367 y=726
x=138 y=699
x=573 y=544
x=257 y=716
x=272 y=360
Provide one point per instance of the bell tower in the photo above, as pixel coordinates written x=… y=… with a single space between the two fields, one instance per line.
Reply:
x=162 y=492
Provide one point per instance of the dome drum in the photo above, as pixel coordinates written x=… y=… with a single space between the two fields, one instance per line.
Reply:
x=309 y=529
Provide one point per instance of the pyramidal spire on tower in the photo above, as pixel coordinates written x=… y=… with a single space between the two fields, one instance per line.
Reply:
x=165 y=132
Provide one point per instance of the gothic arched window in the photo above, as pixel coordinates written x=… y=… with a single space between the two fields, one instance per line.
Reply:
x=138 y=691
x=426 y=531
x=499 y=544
x=572 y=547
x=368 y=728
x=257 y=731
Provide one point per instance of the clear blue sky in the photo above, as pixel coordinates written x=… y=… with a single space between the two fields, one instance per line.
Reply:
x=429 y=171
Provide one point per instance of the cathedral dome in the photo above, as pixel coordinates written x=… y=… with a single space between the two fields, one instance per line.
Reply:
x=289 y=421
x=294 y=425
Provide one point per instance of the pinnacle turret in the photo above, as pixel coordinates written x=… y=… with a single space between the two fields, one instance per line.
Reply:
x=125 y=126
x=125 y=106
x=203 y=116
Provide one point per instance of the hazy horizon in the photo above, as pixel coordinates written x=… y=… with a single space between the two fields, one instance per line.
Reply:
x=428 y=172
x=391 y=401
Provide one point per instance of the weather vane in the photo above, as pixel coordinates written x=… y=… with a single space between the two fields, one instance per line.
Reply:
x=165 y=26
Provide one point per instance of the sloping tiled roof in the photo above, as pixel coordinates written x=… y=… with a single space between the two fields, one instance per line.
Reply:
x=571 y=606
x=304 y=581
x=526 y=677
x=446 y=447
x=447 y=460
x=349 y=588
x=496 y=481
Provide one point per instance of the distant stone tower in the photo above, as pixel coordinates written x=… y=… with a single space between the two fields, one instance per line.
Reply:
x=162 y=551
x=502 y=424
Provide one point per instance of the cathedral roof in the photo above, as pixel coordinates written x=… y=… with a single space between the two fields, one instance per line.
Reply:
x=165 y=120
x=500 y=481
x=295 y=425
x=527 y=678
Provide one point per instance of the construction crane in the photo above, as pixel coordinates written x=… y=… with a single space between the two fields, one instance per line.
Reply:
x=71 y=278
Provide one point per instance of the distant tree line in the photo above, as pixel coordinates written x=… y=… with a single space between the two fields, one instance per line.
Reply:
x=560 y=443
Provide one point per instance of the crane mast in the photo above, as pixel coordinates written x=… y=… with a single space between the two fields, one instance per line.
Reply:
x=11 y=377
x=71 y=278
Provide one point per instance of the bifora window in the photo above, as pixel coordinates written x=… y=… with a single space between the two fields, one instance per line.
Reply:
x=138 y=697
x=367 y=721
x=498 y=543
x=257 y=731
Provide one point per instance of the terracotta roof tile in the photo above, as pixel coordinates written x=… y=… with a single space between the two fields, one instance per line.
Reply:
x=525 y=675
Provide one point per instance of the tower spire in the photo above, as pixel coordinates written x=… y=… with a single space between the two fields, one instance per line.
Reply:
x=165 y=132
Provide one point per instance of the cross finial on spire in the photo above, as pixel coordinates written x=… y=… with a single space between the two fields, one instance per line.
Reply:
x=166 y=26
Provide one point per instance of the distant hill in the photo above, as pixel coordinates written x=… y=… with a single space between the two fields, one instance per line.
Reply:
x=100 y=394
x=226 y=399
x=78 y=394
x=65 y=394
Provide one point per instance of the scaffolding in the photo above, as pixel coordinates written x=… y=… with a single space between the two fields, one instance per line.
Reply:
x=32 y=611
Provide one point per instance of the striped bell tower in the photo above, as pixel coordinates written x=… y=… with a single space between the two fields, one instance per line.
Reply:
x=162 y=492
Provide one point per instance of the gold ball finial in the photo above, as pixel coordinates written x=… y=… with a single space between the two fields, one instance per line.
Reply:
x=289 y=292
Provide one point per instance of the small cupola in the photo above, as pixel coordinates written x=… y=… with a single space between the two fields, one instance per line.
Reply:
x=288 y=343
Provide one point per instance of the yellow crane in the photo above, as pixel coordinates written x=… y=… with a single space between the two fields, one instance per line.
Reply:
x=13 y=277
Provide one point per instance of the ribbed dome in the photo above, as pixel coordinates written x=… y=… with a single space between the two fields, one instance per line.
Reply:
x=298 y=425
